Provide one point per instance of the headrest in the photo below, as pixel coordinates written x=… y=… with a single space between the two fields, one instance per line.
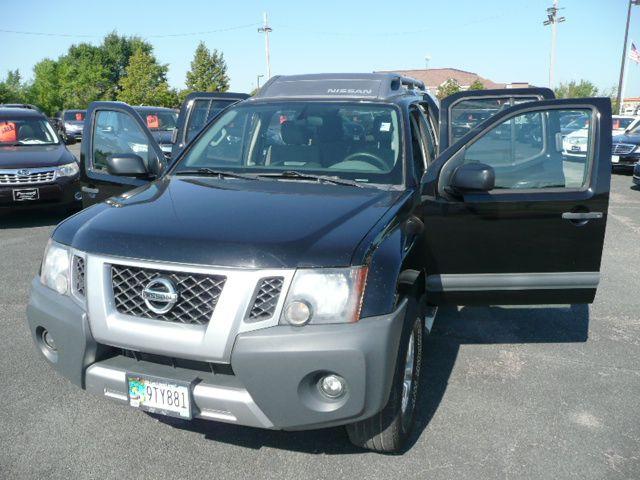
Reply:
x=331 y=129
x=292 y=134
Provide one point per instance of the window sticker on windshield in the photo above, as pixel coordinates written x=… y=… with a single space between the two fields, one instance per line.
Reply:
x=8 y=132
x=385 y=127
x=79 y=116
x=152 y=121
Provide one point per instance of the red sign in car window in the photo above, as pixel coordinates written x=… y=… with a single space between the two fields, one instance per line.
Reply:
x=79 y=116
x=152 y=121
x=8 y=132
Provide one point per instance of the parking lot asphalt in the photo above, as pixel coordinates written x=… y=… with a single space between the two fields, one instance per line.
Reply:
x=543 y=392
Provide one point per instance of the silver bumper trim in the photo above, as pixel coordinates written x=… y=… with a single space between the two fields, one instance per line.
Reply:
x=211 y=402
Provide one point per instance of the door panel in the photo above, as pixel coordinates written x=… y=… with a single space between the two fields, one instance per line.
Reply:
x=197 y=110
x=114 y=128
x=537 y=237
x=463 y=111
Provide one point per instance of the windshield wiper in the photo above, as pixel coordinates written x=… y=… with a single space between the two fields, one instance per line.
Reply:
x=293 y=174
x=218 y=173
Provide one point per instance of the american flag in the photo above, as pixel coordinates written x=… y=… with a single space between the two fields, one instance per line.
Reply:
x=634 y=54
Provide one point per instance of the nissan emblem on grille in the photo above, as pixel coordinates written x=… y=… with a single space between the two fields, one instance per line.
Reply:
x=24 y=172
x=160 y=295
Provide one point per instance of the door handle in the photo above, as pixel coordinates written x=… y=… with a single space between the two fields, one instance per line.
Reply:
x=90 y=190
x=581 y=215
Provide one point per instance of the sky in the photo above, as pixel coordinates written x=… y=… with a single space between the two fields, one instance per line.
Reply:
x=502 y=40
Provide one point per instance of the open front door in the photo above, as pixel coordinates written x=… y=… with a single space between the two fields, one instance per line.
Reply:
x=196 y=111
x=512 y=214
x=463 y=111
x=114 y=128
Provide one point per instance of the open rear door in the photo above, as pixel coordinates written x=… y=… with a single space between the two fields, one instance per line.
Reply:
x=198 y=109
x=463 y=111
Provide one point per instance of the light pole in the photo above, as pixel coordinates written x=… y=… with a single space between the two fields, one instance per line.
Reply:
x=266 y=29
x=553 y=20
x=258 y=80
x=624 y=53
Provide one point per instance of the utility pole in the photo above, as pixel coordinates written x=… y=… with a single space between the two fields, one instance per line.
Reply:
x=427 y=59
x=553 y=20
x=266 y=29
x=624 y=54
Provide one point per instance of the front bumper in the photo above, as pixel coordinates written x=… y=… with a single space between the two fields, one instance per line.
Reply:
x=62 y=192
x=274 y=371
x=626 y=162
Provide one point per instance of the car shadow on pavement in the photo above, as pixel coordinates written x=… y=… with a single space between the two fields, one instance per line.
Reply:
x=31 y=218
x=453 y=327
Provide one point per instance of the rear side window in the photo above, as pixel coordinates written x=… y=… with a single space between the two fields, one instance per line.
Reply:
x=116 y=133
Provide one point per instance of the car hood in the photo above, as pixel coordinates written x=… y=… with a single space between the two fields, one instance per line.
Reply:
x=232 y=223
x=33 y=156
x=627 y=138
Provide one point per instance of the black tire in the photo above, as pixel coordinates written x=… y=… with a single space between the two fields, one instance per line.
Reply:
x=388 y=430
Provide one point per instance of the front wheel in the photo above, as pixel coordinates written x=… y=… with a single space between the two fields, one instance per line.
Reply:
x=388 y=430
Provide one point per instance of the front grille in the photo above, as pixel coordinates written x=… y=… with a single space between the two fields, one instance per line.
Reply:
x=78 y=276
x=266 y=299
x=30 y=178
x=197 y=294
x=622 y=148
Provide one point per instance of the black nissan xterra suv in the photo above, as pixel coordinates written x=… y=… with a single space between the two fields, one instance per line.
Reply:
x=282 y=271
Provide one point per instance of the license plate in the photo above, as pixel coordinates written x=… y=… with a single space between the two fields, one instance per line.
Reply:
x=575 y=148
x=615 y=158
x=25 y=194
x=159 y=395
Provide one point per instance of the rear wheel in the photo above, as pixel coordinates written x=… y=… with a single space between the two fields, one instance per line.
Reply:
x=388 y=430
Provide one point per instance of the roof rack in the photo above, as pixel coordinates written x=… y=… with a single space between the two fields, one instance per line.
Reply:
x=379 y=86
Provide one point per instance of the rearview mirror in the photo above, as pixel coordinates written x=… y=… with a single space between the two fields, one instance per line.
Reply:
x=126 y=165
x=473 y=177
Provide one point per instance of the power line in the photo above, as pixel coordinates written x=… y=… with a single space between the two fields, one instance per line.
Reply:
x=168 y=35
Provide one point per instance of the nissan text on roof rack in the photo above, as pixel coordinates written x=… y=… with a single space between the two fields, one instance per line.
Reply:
x=282 y=271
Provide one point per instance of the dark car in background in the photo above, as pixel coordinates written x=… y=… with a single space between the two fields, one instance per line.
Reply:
x=36 y=169
x=70 y=124
x=625 y=150
x=198 y=109
x=161 y=122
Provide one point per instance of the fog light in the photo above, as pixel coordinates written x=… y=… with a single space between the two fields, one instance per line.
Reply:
x=298 y=313
x=332 y=386
x=47 y=339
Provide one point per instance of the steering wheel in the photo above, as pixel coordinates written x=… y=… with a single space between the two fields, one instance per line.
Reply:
x=368 y=157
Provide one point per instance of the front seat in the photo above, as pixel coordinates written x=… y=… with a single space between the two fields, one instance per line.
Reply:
x=296 y=150
x=25 y=132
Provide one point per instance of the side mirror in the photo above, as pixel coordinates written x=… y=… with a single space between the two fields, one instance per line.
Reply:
x=473 y=177
x=127 y=165
x=69 y=140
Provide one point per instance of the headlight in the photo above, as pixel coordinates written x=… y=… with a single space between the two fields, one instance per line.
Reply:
x=326 y=295
x=55 y=267
x=68 y=170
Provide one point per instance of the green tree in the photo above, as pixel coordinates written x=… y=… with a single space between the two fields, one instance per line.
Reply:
x=476 y=85
x=117 y=51
x=45 y=89
x=12 y=89
x=449 y=87
x=82 y=75
x=145 y=82
x=208 y=71
x=573 y=89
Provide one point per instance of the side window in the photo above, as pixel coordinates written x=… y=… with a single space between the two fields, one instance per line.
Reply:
x=528 y=151
x=467 y=113
x=419 y=161
x=197 y=119
x=115 y=133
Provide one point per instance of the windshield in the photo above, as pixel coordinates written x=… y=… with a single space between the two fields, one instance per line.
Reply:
x=74 y=115
x=356 y=141
x=26 y=131
x=621 y=123
x=161 y=120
